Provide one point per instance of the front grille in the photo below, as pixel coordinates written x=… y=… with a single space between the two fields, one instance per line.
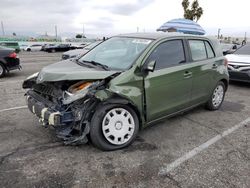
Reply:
x=44 y=89
x=244 y=67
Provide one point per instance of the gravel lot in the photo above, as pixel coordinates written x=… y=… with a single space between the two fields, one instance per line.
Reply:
x=30 y=155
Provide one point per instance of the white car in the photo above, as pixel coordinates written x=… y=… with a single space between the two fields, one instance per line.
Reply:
x=23 y=47
x=33 y=47
x=239 y=64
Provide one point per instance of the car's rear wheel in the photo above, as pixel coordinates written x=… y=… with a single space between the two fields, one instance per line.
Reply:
x=28 y=50
x=216 y=99
x=114 y=127
x=2 y=70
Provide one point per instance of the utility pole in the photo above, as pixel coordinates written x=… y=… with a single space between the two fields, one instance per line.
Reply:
x=56 y=31
x=137 y=29
x=2 y=27
x=245 y=38
x=218 y=33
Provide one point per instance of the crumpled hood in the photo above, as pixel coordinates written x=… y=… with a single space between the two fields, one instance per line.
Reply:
x=238 y=58
x=69 y=70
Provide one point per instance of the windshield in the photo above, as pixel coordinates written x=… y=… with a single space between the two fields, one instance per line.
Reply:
x=244 y=50
x=117 y=52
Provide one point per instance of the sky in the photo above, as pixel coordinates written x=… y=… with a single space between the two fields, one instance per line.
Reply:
x=110 y=17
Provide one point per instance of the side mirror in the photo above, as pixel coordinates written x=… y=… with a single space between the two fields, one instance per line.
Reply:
x=150 y=67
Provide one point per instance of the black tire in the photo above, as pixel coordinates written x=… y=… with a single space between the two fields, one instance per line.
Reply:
x=96 y=134
x=28 y=50
x=53 y=50
x=3 y=72
x=210 y=105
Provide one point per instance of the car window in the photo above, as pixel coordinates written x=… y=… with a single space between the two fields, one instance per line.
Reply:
x=118 y=52
x=198 y=50
x=210 y=52
x=168 y=54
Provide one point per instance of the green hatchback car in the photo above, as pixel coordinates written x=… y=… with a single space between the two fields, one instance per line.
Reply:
x=13 y=45
x=125 y=84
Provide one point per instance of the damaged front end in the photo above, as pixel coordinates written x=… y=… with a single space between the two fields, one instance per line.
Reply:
x=65 y=105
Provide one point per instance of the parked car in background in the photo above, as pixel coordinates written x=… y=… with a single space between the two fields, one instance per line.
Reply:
x=81 y=46
x=13 y=45
x=126 y=83
x=59 y=48
x=46 y=45
x=23 y=47
x=33 y=48
x=239 y=64
x=8 y=61
x=228 y=48
x=79 y=52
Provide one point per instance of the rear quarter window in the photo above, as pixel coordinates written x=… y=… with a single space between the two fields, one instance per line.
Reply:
x=200 y=50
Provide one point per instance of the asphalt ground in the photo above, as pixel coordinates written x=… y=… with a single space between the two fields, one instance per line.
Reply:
x=199 y=148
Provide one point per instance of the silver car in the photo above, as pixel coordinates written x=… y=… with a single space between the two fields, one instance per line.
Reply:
x=77 y=52
x=239 y=64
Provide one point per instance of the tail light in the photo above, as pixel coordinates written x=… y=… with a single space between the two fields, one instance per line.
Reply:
x=13 y=55
x=225 y=62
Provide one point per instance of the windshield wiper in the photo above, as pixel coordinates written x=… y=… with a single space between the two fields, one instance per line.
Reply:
x=105 y=67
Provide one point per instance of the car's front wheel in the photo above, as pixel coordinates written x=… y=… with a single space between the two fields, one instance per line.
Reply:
x=217 y=97
x=113 y=126
x=2 y=70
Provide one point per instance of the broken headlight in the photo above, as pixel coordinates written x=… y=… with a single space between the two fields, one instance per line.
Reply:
x=75 y=92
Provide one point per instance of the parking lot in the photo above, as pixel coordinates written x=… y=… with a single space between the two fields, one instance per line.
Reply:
x=197 y=149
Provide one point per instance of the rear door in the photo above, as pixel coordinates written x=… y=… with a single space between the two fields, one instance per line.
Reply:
x=203 y=67
x=168 y=87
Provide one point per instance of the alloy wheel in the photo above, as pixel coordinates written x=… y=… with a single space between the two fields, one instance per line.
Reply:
x=1 y=70
x=218 y=96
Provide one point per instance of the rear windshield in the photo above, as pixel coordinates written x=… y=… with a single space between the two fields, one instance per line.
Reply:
x=244 y=50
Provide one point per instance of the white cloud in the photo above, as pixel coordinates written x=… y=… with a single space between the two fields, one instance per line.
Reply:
x=118 y=16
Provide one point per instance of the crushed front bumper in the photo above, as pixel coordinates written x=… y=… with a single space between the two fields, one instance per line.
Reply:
x=71 y=130
x=47 y=112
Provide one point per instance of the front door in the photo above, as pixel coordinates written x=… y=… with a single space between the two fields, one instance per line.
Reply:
x=168 y=87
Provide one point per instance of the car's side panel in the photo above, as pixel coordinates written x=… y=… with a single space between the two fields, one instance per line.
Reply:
x=203 y=74
x=167 y=91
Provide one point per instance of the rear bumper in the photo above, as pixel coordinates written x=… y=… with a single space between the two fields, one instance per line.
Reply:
x=19 y=67
x=47 y=112
x=12 y=64
x=239 y=76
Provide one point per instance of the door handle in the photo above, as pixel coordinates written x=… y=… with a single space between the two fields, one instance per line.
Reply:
x=214 y=66
x=187 y=74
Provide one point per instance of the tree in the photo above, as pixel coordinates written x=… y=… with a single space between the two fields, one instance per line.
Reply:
x=78 y=36
x=194 y=13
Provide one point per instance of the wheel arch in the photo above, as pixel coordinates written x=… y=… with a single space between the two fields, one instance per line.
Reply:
x=121 y=100
x=2 y=63
x=225 y=82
